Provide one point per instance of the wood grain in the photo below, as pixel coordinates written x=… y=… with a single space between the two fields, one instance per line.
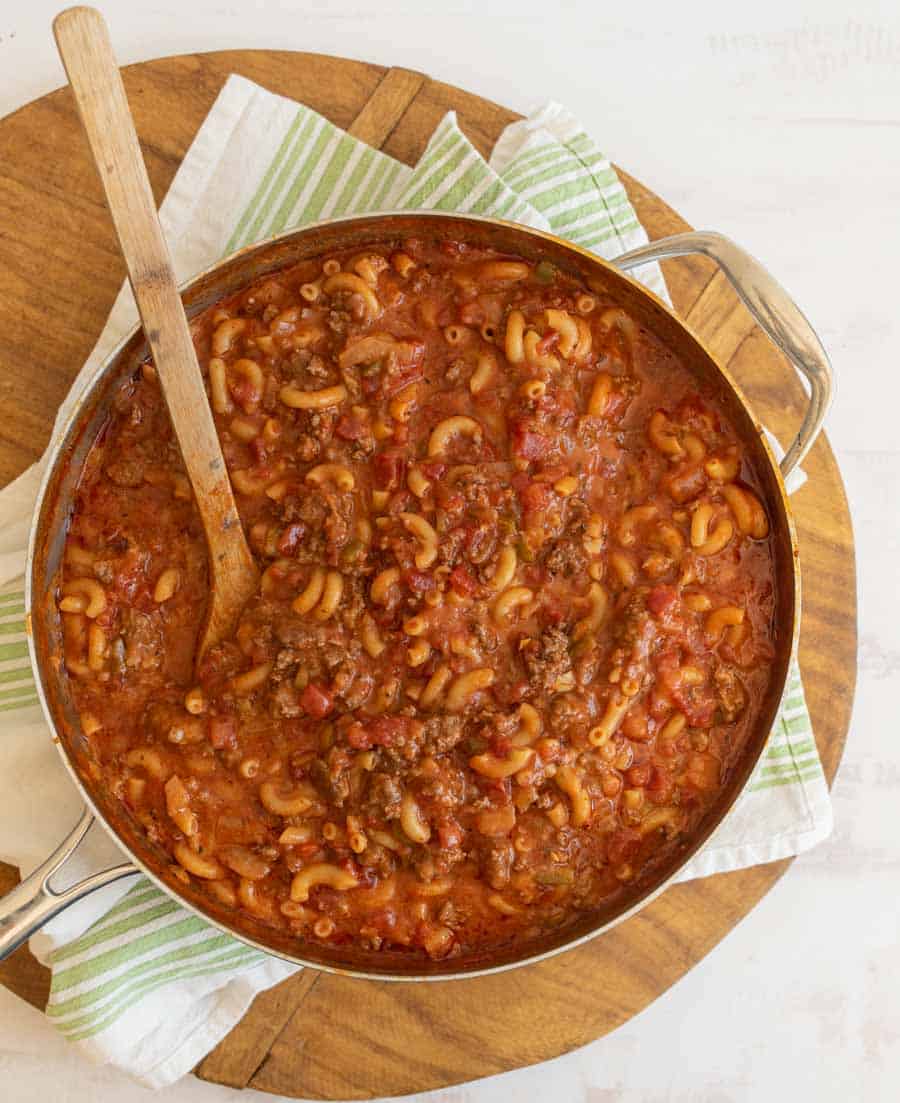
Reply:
x=316 y=1035
x=386 y=106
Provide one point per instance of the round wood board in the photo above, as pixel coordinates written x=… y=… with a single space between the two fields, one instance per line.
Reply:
x=315 y=1035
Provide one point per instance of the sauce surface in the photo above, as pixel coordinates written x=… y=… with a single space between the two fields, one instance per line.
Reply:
x=514 y=621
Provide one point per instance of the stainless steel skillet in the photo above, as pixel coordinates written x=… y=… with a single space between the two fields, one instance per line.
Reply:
x=35 y=901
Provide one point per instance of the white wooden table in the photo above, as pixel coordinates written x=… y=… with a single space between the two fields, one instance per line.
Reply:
x=779 y=124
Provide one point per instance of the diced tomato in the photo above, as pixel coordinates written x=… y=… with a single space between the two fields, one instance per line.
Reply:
x=383 y=731
x=223 y=733
x=462 y=582
x=317 y=701
x=401 y=433
x=388 y=467
x=402 y=377
x=536 y=497
x=660 y=598
x=526 y=443
x=351 y=427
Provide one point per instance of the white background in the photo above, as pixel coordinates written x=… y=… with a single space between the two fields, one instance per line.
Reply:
x=779 y=124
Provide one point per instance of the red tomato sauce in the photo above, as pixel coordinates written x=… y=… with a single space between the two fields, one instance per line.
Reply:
x=514 y=619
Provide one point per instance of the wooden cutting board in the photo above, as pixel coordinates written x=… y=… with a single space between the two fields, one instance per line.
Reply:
x=315 y=1035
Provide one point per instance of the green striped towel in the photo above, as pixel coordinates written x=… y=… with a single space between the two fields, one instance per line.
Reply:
x=138 y=981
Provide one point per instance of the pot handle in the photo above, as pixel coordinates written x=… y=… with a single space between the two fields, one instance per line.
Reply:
x=33 y=902
x=775 y=311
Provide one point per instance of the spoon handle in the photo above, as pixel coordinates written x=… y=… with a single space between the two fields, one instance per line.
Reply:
x=84 y=46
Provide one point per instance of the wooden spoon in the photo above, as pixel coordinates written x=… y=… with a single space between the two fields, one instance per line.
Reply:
x=84 y=46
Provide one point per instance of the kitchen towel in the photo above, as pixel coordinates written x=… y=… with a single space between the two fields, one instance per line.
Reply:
x=137 y=981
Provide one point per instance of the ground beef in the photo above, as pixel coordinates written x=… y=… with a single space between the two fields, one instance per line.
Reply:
x=321 y=424
x=318 y=369
x=569 y=715
x=730 y=692
x=565 y=558
x=286 y=702
x=302 y=639
x=451 y=542
x=487 y=637
x=496 y=862
x=338 y=524
x=377 y=858
x=448 y=790
x=384 y=795
x=334 y=654
x=442 y=733
x=353 y=605
x=483 y=541
x=337 y=321
x=328 y=520
x=307 y=448
x=473 y=486
x=306 y=369
x=548 y=660
x=310 y=509
x=143 y=633
x=331 y=775
x=351 y=685
x=363 y=446
x=285 y=661
x=636 y=628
